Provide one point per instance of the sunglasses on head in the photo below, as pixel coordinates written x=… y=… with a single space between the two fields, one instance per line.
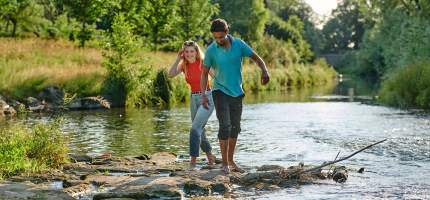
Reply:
x=189 y=43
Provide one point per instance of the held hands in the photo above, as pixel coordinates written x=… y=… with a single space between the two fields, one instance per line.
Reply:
x=265 y=77
x=205 y=101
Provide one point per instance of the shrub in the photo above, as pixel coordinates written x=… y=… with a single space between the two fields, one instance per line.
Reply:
x=23 y=149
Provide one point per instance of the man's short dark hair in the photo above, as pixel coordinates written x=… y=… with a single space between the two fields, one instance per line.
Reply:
x=219 y=25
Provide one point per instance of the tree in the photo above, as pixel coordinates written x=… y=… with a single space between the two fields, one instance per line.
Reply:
x=160 y=17
x=19 y=12
x=345 y=30
x=52 y=9
x=246 y=17
x=195 y=16
x=86 y=12
x=285 y=9
x=291 y=32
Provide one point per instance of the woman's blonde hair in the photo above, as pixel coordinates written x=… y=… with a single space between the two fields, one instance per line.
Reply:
x=200 y=56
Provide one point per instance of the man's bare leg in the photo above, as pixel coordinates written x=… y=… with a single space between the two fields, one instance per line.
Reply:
x=231 y=148
x=223 y=144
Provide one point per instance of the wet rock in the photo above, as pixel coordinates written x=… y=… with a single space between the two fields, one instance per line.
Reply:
x=47 y=176
x=164 y=187
x=146 y=188
x=108 y=181
x=163 y=158
x=82 y=179
x=89 y=103
x=35 y=105
x=252 y=178
x=70 y=183
x=270 y=168
x=80 y=158
x=209 y=198
x=340 y=174
x=31 y=101
x=361 y=170
x=80 y=190
x=198 y=187
x=265 y=186
x=6 y=110
x=27 y=190
x=143 y=157
x=220 y=187
x=19 y=107
x=53 y=95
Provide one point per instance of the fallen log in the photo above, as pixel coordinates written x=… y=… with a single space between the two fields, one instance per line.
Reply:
x=341 y=159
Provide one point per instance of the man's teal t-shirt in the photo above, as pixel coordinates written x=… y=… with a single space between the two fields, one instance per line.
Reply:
x=227 y=65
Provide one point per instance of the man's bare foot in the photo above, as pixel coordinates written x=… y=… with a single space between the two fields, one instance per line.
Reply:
x=225 y=169
x=235 y=168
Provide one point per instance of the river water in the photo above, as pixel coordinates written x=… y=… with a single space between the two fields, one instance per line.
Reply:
x=286 y=128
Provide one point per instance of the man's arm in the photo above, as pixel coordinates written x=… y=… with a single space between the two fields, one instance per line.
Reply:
x=264 y=73
x=204 y=85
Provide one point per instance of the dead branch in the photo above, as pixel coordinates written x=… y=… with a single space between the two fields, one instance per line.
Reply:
x=342 y=159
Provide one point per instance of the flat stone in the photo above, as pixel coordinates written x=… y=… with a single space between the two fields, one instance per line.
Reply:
x=108 y=181
x=28 y=190
x=198 y=187
x=147 y=187
x=163 y=158
x=270 y=168
x=76 y=191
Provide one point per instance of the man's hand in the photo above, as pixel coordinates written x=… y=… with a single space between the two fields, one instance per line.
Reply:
x=205 y=101
x=264 y=77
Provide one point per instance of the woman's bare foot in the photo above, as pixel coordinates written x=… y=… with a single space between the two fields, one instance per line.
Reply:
x=193 y=163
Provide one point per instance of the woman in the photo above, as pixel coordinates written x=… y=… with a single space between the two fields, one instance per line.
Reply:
x=188 y=62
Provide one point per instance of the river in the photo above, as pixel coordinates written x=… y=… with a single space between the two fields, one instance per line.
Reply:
x=284 y=129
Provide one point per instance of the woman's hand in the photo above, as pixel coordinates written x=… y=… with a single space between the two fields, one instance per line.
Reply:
x=175 y=68
x=180 y=54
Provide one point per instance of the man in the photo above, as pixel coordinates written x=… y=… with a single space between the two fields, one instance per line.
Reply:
x=225 y=57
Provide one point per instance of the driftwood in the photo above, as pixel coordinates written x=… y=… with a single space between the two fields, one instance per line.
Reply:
x=342 y=159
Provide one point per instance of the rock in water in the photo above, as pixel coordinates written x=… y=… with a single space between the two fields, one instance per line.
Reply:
x=197 y=187
x=89 y=103
x=53 y=95
x=340 y=174
x=270 y=168
x=6 y=110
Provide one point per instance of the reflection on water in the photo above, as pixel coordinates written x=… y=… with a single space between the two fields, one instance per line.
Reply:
x=284 y=129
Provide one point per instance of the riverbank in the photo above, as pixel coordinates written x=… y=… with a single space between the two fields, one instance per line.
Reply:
x=408 y=87
x=160 y=175
x=27 y=66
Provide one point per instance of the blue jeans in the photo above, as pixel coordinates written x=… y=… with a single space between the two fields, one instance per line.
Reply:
x=199 y=117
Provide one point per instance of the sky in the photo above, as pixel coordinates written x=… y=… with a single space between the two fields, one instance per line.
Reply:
x=322 y=7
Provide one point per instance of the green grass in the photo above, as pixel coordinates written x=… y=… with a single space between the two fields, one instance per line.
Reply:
x=408 y=87
x=30 y=150
x=29 y=65
x=296 y=76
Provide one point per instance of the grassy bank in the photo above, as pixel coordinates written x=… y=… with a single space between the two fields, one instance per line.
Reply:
x=28 y=65
x=28 y=150
x=408 y=87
